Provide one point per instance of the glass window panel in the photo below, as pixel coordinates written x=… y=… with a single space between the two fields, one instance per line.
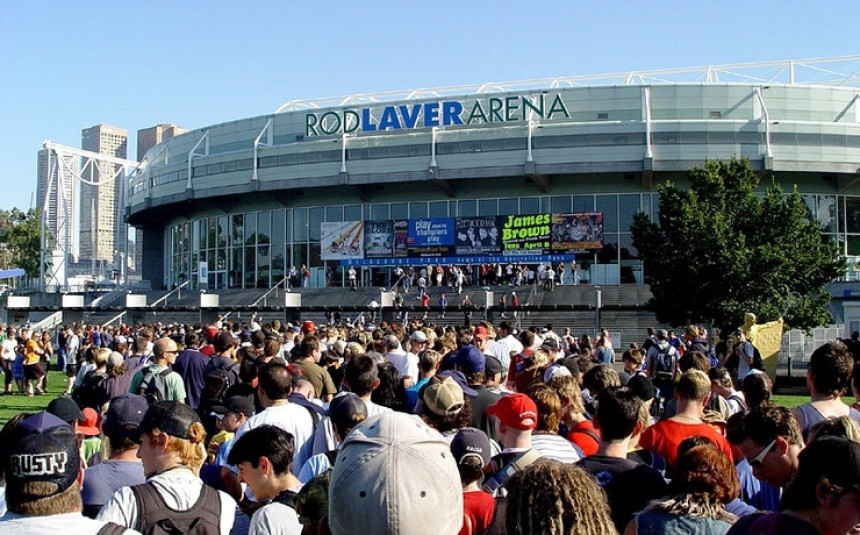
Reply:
x=212 y=232
x=334 y=213
x=608 y=204
x=583 y=204
x=300 y=254
x=439 y=209
x=250 y=267
x=509 y=206
x=827 y=212
x=263 y=267
x=264 y=230
x=278 y=227
x=628 y=252
x=399 y=210
x=628 y=207
x=251 y=228
x=222 y=232
x=316 y=220
x=488 y=207
x=529 y=205
x=609 y=253
x=352 y=213
x=467 y=208
x=417 y=210
x=852 y=214
x=560 y=205
x=379 y=212
x=300 y=224
x=279 y=262
x=544 y=204
x=853 y=246
x=237 y=229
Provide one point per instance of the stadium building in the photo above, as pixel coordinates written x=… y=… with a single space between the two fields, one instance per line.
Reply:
x=536 y=171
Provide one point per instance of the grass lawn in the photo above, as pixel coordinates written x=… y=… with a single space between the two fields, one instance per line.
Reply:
x=11 y=405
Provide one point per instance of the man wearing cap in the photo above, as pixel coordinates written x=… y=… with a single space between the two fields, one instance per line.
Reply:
x=123 y=467
x=417 y=343
x=472 y=451
x=516 y=417
x=401 y=447
x=662 y=364
x=345 y=411
x=509 y=343
x=473 y=363
x=42 y=469
x=171 y=450
x=190 y=365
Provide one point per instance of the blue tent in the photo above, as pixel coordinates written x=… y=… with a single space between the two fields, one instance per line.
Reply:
x=11 y=273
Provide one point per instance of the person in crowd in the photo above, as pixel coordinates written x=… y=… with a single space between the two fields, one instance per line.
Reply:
x=391 y=391
x=833 y=426
x=705 y=481
x=117 y=381
x=770 y=440
x=42 y=469
x=472 y=451
x=8 y=352
x=308 y=362
x=122 y=467
x=229 y=417
x=575 y=426
x=662 y=365
x=473 y=363
x=164 y=354
x=345 y=411
x=171 y=450
x=629 y=485
x=691 y=396
x=443 y=406
x=756 y=388
x=362 y=502
x=516 y=418
x=264 y=456
x=553 y=498
x=190 y=364
x=823 y=498
x=428 y=365
x=828 y=379
x=545 y=437
x=722 y=385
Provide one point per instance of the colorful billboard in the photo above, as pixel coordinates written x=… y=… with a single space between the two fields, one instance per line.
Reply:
x=477 y=236
x=342 y=240
x=573 y=232
x=378 y=239
x=430 y=238
x=526 y=234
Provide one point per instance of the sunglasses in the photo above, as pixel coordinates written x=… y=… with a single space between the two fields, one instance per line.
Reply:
x=758 y=459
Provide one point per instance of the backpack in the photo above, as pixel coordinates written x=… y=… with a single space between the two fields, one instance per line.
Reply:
x=156 y=518
x=664 y=364
x=758 y=362
x=153 y=386
x=217 y=379
x=86 y=395
x=287 y=498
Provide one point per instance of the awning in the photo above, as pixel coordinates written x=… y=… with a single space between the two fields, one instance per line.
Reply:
x=11 y=273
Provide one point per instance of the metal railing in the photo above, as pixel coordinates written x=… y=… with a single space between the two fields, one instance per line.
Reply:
x=177 y=290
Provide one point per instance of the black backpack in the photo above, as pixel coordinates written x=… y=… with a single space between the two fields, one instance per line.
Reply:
x=153 y=386
x=758 y=362
x=86 y=395
x=664 y=364
x=156 y=518
x=218 y=378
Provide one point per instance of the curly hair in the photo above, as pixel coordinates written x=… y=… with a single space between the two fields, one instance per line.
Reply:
x=763 y=424
x=448 y=422
x=554 y=498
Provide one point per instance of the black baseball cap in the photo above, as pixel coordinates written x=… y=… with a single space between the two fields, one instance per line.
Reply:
x=42 y=448
x=66 y=410
x=171 y=417
x=237 y=405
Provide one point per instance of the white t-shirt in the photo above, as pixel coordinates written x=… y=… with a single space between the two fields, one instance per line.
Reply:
x=7 y=348
x=275 y=519
x=290 y=417
x=65 y=523
x=179 y=488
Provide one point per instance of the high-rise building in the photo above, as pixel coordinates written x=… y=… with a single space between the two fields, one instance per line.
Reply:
x=101 y=220
x=57 y=196
x=150 y=137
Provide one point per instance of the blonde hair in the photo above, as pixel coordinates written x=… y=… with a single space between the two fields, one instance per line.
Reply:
x=191 y=451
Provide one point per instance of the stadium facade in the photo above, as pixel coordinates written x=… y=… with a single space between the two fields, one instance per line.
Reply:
x=234 y=205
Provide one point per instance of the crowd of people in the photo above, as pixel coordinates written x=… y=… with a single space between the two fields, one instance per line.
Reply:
x=258 y=428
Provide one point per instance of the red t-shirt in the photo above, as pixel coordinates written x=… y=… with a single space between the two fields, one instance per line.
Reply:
x=581 y=435
x=478 y=508
x=664 y=437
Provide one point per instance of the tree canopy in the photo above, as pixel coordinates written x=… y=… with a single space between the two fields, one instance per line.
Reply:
x=721 y=250
x=19 y=238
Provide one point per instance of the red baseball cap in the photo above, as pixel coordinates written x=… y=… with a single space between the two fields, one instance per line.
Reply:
x=515 y=410
x=309 y=327
x=481 y=332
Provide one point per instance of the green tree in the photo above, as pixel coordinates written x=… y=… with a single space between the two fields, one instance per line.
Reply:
x=720 y=250
x=19 y=233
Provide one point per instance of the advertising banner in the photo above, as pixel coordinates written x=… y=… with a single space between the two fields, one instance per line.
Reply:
x=401 y=238
x=577 y=231
x=342 y=240
x=477 y=236
x=431 y=237
x=378 y=239
x=526 y=234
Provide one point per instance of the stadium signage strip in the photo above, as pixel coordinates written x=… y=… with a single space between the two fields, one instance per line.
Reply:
x=515 y=108
x=511 y=236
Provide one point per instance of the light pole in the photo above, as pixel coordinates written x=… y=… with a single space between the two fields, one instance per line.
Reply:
x=598 y=303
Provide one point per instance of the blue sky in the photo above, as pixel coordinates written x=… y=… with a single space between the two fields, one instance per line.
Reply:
x=71 y=65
